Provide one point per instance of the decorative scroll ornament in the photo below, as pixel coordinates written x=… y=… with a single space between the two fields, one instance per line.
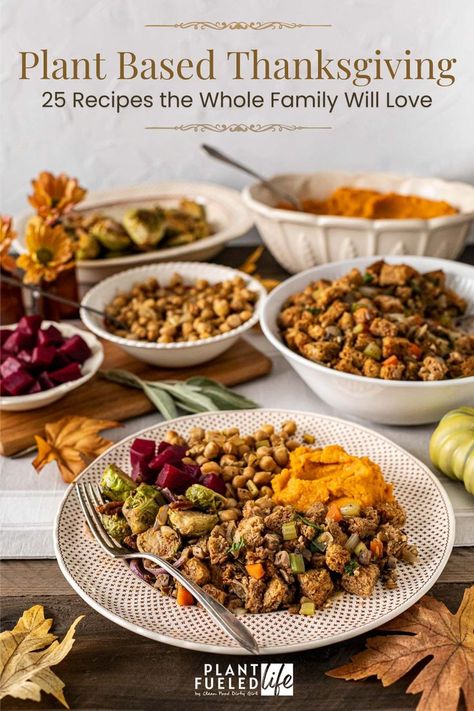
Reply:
x=236 y=127
x=203 y=25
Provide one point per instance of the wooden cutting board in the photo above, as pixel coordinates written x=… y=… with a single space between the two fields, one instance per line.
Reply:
x=103 y=399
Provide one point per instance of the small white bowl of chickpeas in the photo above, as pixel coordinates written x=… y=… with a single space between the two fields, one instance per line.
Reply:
x=174 y=314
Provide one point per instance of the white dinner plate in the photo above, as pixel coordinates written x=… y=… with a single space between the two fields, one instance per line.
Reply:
x=225 y=210
x=114 y=591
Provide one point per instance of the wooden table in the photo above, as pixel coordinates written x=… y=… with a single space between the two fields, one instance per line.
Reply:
x=111 y=668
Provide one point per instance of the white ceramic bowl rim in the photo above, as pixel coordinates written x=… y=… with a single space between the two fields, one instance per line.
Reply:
x=358 y=222
x=94 y=360
x=446 y=264
x=252 y=284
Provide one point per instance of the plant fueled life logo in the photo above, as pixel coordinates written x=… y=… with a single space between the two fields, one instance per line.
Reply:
x=254 y=679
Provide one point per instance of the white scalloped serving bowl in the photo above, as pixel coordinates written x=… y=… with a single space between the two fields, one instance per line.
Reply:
x=169 y=355
x=300 y=240
x=20 y=403
x=392 y=402
x=113 y=590
x=226 y=213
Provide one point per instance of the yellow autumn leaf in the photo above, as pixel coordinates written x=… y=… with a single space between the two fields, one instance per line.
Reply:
x=26 y=654
x=73 y=442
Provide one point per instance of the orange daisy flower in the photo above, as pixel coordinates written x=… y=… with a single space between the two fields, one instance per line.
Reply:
x=7 y=235
x=55 y=195
x=50 y=252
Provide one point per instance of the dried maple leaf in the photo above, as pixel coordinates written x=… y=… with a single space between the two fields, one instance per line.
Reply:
x=73 y=442
x=430 y=630
x=26 y=654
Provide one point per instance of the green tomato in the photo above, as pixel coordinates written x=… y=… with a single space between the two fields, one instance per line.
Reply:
x=452 y=446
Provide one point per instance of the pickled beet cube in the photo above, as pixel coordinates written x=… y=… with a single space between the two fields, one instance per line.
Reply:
x=2 y=389
x=24 y=357
x=45 y=381
x=194 y=470
x=35 y=388
x=171 y=455
x=18 y=382
x=3 y=354
x=214 y=482
x=4 y=334
x=50 y=336
x=66 y=374
x=30 y=324
x=60 y=361
x=75 y=349
x=174 y=479
x=43 y=356
x=9 y=366
x=18 y=341
x=142 y=452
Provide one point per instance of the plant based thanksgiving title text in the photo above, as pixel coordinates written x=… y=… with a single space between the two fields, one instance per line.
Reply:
x=239 y=67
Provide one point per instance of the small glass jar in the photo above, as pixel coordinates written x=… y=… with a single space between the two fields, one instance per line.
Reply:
x=64 y=285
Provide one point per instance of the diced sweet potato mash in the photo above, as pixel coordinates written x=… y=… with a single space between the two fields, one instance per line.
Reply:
x=329 y=474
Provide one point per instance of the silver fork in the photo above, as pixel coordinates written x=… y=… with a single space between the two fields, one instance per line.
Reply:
x=89 y=497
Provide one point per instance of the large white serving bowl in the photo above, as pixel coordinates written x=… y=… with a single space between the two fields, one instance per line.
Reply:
x=168 y=355
x=390 y=402
x=21 y=403
x=225 y=211
x=300 y=240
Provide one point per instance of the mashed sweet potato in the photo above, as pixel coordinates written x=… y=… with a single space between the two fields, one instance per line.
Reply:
x=329 y=474
x=370 y=204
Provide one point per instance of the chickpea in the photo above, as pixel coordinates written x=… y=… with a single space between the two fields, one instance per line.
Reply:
x=239 y=481
x=228 y=460
x=266 y=491
x=289 y=427
x=229 y=514
x=244 y=494
x=280 y=455
x=231 y=503
x=196 y=433
x=269 y=429
x=211 y=450
x=292 y=444
x=229 y=472
x=229 y=447
x=262 y=478
x=267 y=463
x=201 y=459
x=210 y=468
x=264 y=451
x=233 y=321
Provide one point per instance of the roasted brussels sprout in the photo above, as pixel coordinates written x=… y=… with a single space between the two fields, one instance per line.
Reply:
x=145 y=227
x=115 y=484
x=192 y=523
x=116 y=526
x=164 y=542
x=111 y=234
x=193 y=208
x=86 y=245
x=204 y=498
x=141 y=507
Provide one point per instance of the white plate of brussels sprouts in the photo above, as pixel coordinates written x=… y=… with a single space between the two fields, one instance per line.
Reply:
x=131 y=226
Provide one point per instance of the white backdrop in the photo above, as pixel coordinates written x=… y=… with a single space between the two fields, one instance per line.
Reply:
x=104 y=149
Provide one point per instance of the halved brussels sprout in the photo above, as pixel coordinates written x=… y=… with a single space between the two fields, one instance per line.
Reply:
x=111 y=234
x=192 y=523
x=86 y=246
x=193 y=208
x=204 y=498
x=164 y=542
x=115 y=484
x=116 y=526
x=141 y=507
x=145 y=227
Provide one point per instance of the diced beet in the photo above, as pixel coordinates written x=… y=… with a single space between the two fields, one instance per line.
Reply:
x=2 y=389
x=30 y=324
x=170 y=455
x=9 y=366
x=194 y=470
x=142 y=452
x=170 y=477
x=76 y=349
x=214 y=482
x=45 y=381
x=50 y=336
x=60 y=361
x=18 y=383
x=43 y=356
x=3 y=354
x=66 y=374
x=4 y=334
x=18 y=341
x=162 y=446
x=24 y=357
x=35 y=388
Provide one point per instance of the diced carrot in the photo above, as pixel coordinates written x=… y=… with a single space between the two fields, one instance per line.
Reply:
x=184 y=597
x=415 y=351
x=334 y=512
x=376 y=548
x=255 y=570
x=391 y=360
